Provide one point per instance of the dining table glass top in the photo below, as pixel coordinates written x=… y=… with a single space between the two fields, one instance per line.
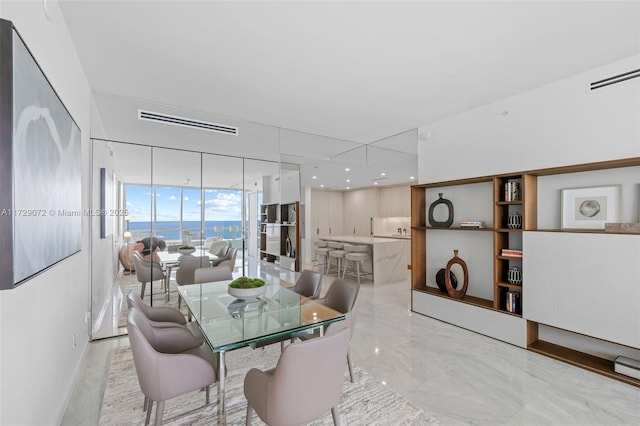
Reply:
x=173 y=258
x=228 y=323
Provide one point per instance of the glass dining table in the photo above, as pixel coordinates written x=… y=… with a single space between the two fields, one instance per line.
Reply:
x=170 y=260
x=229 y=323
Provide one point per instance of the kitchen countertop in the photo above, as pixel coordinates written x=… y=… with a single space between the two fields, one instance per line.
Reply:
x=399 y=237
x=363 y=240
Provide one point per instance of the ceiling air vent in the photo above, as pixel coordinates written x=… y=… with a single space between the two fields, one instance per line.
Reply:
x=615 y=79
x=180 y=121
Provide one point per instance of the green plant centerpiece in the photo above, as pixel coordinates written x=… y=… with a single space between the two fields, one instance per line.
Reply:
x=247 y=288
x=186 y=249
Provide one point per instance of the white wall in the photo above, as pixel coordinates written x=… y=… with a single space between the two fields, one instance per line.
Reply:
x=119 y=120
x=38 y=319
x=555 y=125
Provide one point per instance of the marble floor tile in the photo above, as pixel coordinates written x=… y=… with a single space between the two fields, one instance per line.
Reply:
x=460 y=377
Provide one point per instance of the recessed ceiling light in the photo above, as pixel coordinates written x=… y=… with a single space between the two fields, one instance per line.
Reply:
x=348 y=187
x=314 y=177
x=347 y=169
x=375 y=183
x=321 y=186
x=411 y=177
x=348 y=180
x=383 y=174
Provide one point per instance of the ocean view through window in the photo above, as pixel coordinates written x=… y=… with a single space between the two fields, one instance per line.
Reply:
x=179 y=209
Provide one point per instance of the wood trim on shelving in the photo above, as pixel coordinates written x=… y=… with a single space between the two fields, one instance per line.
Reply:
x=585 y=231
x=455 y=228
x=530 y=204
x=587 y=167
x=467 y=181
x=470 y=300
x=532 y=332
x=514 y=287
x=573 y=168
x=527 y=206
x=581 y=359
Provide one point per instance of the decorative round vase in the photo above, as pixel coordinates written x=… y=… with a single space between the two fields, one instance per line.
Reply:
x=514 y=275
x=514 y=221
x=455 y=260
x=440 y=280
x=289 y=246
x=247 y=293
x=441 y=224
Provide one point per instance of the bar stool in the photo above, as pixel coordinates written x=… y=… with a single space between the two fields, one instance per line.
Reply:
x=356 y=255
x=336 y=252
x=321 y=250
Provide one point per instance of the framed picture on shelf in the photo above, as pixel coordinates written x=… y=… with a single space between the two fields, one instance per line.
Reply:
x=590 y=208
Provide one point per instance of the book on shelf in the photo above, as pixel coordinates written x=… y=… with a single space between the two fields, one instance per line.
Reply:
x=472 y=224
x=512 y=191
x=511 y=252
x=512 y=302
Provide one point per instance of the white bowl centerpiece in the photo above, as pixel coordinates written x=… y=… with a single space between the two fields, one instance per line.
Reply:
x=246 y=288
x=186 y=249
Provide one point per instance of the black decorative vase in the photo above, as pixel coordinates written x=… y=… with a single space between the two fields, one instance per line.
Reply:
x=443 y=224
x=442 y=285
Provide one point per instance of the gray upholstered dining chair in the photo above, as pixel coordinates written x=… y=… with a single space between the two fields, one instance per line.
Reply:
x=229 y=260
x=309 y=284
x=219 y=247
x=341 y=296
x=211 y=274
x=147 y=271
x=163 y=316
x=292 y=393
x=188 y=264
x=163 y=376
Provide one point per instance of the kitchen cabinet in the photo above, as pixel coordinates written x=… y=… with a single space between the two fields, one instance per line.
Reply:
x=326 y=213
x=359 y=208
x=394 y=202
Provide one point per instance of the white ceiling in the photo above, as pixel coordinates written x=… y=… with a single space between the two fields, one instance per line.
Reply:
x=354 y=71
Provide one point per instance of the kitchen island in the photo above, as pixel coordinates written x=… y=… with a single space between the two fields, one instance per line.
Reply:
x=390 y=256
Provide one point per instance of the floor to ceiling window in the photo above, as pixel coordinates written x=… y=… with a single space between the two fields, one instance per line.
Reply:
x=177 y=196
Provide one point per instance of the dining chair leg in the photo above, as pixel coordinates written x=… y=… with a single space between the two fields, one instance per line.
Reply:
x=349 y=365
x=249 y=415
x=144 y=285
x=335 y=415
x=159 y=411
x=206 y=398
x=146 y=401
x=149 y=407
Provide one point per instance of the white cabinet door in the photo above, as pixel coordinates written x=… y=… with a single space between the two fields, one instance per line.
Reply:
x=596 y=278
x=540 y=278
x=336 y=207
x=600 y=286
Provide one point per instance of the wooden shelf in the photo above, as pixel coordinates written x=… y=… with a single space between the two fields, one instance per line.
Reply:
x=509 y=257
x=470 y=300
x=423 y=242
x=582 y=360
x=513 y=287
x=585 y=231
x=454 y=228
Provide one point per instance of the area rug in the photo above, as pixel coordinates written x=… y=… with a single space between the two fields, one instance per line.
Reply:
x=365 y=402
